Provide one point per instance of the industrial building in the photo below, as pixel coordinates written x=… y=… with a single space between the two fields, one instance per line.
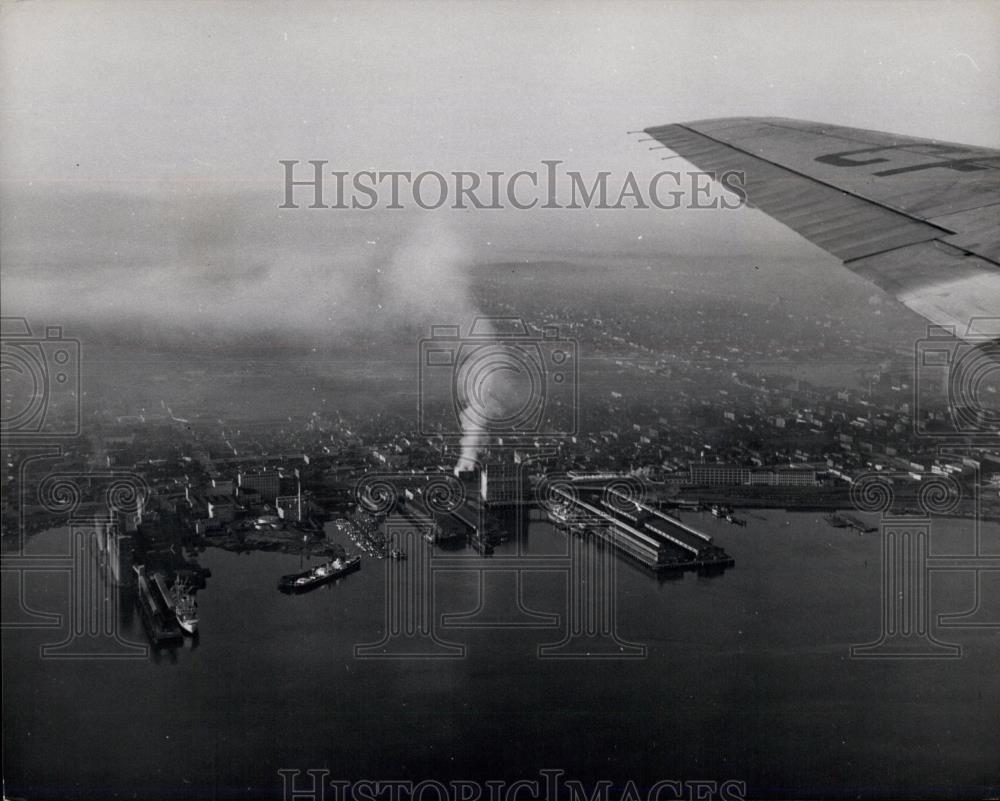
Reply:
x=503 y=483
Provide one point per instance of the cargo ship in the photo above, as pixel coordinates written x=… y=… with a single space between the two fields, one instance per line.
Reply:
x=160 y=623
x=179 y=600
x=321 y=574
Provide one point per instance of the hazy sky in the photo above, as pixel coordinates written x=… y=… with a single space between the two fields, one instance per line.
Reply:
x=185 y=108
x=145 y=91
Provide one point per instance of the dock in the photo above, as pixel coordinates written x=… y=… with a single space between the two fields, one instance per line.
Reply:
x=160 y=624
x=642 y=532
x=845 y=520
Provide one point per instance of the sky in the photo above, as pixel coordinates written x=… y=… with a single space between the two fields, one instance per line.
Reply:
x=140 y=92
x=185 y=108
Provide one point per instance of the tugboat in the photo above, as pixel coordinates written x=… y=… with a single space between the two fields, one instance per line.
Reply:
x=321 y=574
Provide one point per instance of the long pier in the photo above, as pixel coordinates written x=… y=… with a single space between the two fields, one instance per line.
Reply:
x=639 y=530
x=431 y=523
x=659 y=542
x=654 y=512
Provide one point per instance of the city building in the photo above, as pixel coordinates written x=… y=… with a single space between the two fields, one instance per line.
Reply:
x=264 y=482
x=719 y=474
x=787 y=477
x=289 y=507
x=220 y=507
x=503 y=484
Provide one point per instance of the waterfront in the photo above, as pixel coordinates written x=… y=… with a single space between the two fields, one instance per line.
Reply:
x=747 y=676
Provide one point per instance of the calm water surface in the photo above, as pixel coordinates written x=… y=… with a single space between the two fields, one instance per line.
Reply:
x=746 y=676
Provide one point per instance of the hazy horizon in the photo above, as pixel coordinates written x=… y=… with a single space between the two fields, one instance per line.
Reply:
x=140 y=144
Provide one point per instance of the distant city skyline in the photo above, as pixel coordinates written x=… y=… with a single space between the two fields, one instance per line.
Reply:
x=140 y=143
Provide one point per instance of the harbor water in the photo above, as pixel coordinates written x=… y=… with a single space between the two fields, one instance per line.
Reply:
x=744 y=675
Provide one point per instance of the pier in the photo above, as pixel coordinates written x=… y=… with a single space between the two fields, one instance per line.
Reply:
x=656 y=540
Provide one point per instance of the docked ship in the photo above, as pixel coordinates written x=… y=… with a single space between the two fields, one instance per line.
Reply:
x=179 y=600
x=446 y=534
x=321 y=574
x=560 y=514
x=160 y=622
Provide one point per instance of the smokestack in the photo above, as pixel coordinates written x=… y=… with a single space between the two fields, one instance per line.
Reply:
x=471 y=444
x=298 y=494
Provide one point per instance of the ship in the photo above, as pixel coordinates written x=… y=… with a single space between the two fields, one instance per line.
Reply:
x=560 y=514
x=844 y=520
x=179 y=600
x=447 y=536
x=160 y=622
x=321 y=574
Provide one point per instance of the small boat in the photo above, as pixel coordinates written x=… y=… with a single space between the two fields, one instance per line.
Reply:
x=395 y=553
x=560 y=514
x=321 y=574
x=484 y=546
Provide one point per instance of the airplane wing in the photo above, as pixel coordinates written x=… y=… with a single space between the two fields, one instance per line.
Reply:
x=917 y=217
